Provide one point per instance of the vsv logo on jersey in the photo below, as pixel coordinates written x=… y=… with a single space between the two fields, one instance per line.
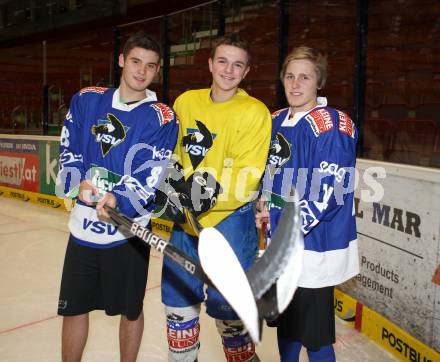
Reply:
x=279 y=154
x=197 y=143
x=109 y=132
x=99 y=227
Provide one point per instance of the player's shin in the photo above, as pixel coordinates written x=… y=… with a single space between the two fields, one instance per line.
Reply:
x=237 y=344
x=183 y=333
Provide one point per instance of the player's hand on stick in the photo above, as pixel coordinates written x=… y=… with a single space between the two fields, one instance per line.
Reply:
x=168 y=194
x=262 y=215
x=201 y=192
x=198 y=194
x=110 y=200
x=277 y=270
x=88 y=193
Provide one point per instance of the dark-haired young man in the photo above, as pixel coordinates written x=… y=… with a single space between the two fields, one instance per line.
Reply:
x=224 y=133
x=114 y=148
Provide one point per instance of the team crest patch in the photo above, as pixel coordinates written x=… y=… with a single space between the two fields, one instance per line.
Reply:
x=197 y=143
x=279 y=154
x=164 y=113
x=346 y=124
x=109 y=132
x=320 y=121
x=99 y=90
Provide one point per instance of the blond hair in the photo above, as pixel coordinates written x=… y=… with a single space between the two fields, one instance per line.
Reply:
x=318 y=59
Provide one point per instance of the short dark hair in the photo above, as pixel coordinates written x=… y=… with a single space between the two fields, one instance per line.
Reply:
x=141 y=40
x=232 y=39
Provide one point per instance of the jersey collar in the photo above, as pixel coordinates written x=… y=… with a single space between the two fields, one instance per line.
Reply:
x=292 y=120
x=240 y=92
x=117 y=104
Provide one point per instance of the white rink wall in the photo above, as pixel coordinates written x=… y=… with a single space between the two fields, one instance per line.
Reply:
x=398 y=220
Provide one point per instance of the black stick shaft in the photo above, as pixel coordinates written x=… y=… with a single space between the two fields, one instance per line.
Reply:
x=161 y=245
x=265 y=304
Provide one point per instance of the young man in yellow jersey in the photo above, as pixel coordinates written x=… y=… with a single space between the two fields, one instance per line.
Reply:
x=224 y=135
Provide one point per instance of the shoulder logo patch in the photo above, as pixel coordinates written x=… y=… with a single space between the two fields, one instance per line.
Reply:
x=320 y=121
x=346 y=124
x=99 y=90
x=277 y=113
x=164 y=113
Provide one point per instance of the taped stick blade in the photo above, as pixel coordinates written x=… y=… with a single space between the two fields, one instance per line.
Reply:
x=221 y=265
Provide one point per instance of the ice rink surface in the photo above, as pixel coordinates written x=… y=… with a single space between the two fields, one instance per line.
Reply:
x=32 y=245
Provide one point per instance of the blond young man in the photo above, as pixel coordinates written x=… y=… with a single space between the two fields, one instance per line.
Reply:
x=313 y=149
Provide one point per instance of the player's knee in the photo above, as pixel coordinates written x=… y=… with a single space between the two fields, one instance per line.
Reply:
x=183 y=333
x=237 y=344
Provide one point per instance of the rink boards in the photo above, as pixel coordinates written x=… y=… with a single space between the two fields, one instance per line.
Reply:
x=364 y=319
x=396 y=207
x=394 y=339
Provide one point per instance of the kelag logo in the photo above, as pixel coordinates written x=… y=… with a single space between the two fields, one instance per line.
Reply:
x=48 y=154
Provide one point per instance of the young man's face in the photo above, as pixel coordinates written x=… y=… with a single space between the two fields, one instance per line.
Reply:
x=228 y=67
x=301 y=85
x=139 y=69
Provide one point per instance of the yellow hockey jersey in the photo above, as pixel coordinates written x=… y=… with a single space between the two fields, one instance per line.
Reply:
x=228 y=139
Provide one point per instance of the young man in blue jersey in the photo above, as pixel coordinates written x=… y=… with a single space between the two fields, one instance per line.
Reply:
x=223 y=131
x=313 y=149
x=114 y=148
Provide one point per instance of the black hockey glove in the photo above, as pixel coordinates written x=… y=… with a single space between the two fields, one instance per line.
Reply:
x=201 y=191
x=167 y=197
x=198 y=194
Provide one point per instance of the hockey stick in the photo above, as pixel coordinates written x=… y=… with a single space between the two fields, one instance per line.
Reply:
x=264 y=291
x=275 y=275
x=161 y=245
x=231 y=283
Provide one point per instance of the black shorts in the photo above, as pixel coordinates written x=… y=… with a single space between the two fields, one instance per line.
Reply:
x=112 y=279
x=309 y=318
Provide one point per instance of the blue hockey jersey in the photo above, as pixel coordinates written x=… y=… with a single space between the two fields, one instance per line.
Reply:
x=315 y=151
x=123 y=149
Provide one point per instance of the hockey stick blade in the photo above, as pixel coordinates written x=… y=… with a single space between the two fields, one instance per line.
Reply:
x=281 y=260
x=233 y=286
x=228 y=276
